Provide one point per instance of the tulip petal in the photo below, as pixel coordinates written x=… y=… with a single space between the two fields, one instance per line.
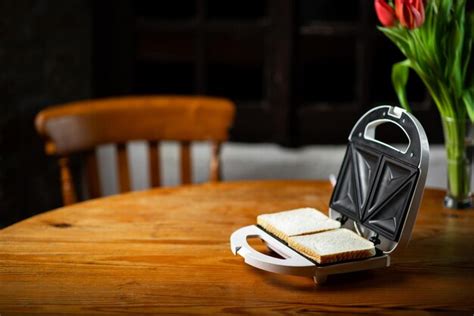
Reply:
x=421 y=9
x=417 y=20
x=385 y=13
x=399 y=9
x=410 y=13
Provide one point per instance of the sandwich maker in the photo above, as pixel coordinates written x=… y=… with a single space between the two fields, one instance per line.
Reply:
x=377 y=195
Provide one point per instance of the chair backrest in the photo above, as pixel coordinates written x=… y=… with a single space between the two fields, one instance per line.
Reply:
x=82 y=126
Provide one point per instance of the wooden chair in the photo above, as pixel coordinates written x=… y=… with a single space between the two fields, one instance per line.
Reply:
x=82 y=126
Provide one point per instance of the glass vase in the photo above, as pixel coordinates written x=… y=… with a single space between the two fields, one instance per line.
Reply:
x=459 y=142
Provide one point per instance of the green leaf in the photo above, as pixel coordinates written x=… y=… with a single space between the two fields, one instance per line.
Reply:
x=456 y=47
x=399 y=80
x=468 y=98
x=467 y=54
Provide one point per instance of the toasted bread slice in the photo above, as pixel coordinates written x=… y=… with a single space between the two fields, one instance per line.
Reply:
x=296 y=222
x=333 y=246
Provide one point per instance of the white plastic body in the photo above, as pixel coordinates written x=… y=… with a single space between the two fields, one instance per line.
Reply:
x=293 y=263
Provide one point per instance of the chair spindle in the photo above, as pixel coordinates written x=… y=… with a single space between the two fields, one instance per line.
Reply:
x=215 y=166
x=185 y=162
x=92 y=172
x=67 y=185
x=123 y=170
x=154 y=160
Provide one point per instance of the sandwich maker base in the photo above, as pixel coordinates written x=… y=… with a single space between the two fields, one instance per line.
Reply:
x=293 y=262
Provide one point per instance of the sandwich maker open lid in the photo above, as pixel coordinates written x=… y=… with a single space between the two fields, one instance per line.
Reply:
x=377 y=195
x=379 y=187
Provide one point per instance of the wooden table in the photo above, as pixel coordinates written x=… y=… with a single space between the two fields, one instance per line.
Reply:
x=167 y=250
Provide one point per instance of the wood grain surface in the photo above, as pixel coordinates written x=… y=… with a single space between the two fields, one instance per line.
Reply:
x=167 y=251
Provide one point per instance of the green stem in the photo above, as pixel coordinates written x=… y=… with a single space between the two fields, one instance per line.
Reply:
x=459 y=175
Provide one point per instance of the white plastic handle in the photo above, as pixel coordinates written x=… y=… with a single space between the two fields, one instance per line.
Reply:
x=292 y=262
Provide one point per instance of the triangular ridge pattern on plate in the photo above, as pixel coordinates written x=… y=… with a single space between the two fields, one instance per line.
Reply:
x=366 y=167
x=388 y=217
x=391 y=177
x=345 y=199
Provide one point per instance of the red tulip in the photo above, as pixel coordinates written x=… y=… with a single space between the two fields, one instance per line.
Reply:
x=385 y=13
x=411 y=13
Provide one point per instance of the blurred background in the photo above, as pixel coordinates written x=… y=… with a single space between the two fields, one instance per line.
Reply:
x=300 y=72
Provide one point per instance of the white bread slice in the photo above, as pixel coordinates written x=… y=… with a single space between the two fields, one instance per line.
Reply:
x=333 y=246
x=296 y=222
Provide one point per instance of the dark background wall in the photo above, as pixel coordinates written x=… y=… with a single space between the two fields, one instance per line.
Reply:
x=45 y=59
x=300 y=71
